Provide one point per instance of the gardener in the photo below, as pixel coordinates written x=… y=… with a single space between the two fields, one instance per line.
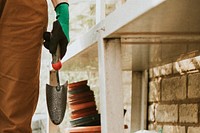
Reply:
x=22 y=24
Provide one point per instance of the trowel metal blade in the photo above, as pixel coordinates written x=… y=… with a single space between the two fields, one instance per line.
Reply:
x=56 y=102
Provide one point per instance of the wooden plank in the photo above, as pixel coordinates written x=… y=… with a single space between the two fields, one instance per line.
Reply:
x=111 y=92
x=51 y=128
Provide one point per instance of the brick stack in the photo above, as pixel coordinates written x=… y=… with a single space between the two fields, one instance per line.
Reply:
x=82 y=105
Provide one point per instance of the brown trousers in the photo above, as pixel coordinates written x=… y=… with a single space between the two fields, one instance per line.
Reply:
x=22 y=24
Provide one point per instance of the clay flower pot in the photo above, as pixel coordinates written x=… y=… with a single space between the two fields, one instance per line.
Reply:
x=83 y=105
x=80 y=89
x=75 y=85
x=84 y=114
x=82 y=100
x=91 y=120
x=88 y=129
x=83 y=110
x=81 y=95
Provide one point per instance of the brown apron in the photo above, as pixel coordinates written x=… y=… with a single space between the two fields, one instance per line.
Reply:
x=22 y=23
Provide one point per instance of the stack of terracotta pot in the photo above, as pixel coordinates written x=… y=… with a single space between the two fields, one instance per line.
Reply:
x=82 y=105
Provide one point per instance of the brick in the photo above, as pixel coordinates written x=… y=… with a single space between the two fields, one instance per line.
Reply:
x=173 y=129
x=166 y=113
x=188 y=64
x=151 y=111
x=154 y=126
x=166 y=69
x=184 y=65
x=154 y=90
x=193 y=129
x=161 y=70
x=197 y=59
x=188 y=113
x=194 y=85
x=176 y=68
x=156 y=71
x=151 y=73
x=174 y=88
x=196 y=62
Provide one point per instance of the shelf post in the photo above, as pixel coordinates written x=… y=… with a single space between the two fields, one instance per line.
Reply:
x=139 y=100
x=100 y=10
x=111 y=92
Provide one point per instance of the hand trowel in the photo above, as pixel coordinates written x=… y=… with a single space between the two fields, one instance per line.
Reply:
x=56 y=94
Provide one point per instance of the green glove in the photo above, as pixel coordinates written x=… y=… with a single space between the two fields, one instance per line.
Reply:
x=62 y=12
x=60 y=32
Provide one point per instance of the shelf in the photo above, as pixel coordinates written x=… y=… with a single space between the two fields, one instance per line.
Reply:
x=138 y=24
x=138 y=35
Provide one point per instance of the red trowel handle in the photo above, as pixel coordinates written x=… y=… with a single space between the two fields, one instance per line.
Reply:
x=56 y=64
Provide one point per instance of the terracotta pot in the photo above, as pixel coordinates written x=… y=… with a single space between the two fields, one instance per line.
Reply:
x=83 y=105
x=91 y=120
x=81 y=95
x=79 y=115
x=82 y=100
x=83 y=110
x=77 y=84
x=88 y=129
x=80 y=89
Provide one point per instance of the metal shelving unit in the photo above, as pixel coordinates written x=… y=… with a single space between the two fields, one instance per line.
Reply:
x=124 y=41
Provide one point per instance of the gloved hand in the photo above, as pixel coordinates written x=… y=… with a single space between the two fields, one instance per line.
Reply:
x=60 y=32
